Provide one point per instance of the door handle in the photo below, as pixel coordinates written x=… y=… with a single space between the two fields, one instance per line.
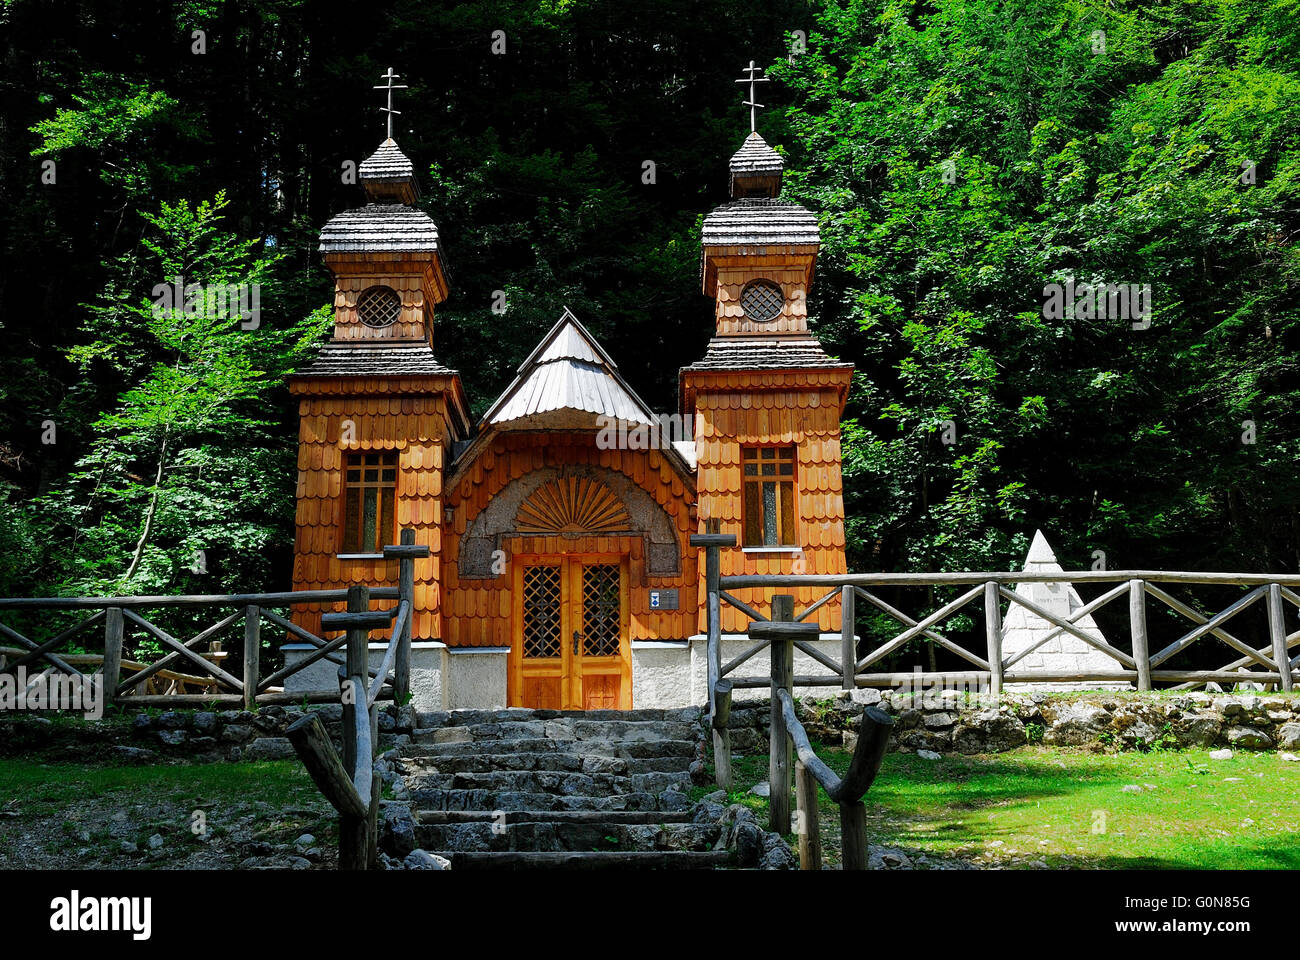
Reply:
x=577 y=635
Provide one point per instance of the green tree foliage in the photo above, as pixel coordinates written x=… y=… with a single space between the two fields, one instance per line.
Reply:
x=962 y=156
x=185 y=484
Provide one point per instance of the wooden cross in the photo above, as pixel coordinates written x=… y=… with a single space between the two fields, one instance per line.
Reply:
x=751 y=102
x=390 y=76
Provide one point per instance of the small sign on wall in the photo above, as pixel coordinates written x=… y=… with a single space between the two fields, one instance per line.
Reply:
x=663 y=599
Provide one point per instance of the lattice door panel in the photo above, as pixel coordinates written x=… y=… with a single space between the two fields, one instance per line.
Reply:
x=542 y=631
x=601 y=609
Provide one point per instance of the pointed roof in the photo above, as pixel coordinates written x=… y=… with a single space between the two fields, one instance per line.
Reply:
x=755 y=168
x=568 y=373
x=388 y=175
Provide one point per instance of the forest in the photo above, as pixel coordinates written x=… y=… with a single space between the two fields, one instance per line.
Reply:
x=962 y=157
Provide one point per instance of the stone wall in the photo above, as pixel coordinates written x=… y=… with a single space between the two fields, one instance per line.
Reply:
x=199 y=735
x=950 y=723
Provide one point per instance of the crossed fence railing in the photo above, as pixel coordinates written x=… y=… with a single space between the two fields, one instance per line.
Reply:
x=193 y=668
x=1271 y=665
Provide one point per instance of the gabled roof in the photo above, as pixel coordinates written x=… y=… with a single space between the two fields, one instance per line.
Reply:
x=568 y=382
x=568 y=372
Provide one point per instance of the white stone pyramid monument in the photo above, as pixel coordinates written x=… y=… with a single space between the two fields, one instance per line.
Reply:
x=1064 y=653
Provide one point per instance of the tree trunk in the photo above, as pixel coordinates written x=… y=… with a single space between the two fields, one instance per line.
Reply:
x=149 y=514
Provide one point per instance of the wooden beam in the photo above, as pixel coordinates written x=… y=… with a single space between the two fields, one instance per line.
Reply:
x=291 y=598
x=54 y=642
x=316 y=751
x=867 y=580
x=186 y=653
x=112 y=669
x=138 y=678
x=853 y=836
x=848 y=638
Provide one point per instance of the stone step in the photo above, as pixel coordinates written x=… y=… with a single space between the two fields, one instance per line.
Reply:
x=455 y=718
x=601 y=860
x=544 y=761
x=687 y=749
x=552 y=781
x=574 y=728
x=491 y=800
x=570 y=836
x=552 y=816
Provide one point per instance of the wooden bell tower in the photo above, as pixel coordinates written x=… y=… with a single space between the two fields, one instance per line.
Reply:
x=378 y=413
x=766 y=398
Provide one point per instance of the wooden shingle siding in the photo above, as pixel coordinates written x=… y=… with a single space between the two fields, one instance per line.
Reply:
x=416 y=425
x=800 y=408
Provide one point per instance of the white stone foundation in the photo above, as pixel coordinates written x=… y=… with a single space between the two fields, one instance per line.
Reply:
x=428 y=668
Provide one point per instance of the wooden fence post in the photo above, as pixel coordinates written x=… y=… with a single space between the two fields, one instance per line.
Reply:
x=354 y=831
x=993 y=632
x=252 y=653
x=352 y=674
x=810 y=830
x=853 y=835
x=712 y=541
x=1137 y=618
x=112 y=672
x=405 y=591
x=848 y=648
x=722 y=736
x=1277 y=632
x=778 y=768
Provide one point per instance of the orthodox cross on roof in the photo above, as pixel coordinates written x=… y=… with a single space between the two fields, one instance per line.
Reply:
x=751 y=102
x=390 y=76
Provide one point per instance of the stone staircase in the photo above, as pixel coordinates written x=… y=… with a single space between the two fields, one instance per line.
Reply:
x=517 y=788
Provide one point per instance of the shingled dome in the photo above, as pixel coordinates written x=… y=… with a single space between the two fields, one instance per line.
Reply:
x=388 y=176
x=755 y=169
x=756 y=221
x=386 y=227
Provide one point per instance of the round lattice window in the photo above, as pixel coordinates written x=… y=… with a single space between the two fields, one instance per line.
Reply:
x=762 y=301
x=379 y=306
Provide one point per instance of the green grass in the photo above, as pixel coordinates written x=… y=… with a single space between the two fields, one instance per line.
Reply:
x=1069 y=809
x=58 y=804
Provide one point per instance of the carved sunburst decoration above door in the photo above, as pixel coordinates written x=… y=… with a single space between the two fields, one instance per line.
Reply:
x=572 y=505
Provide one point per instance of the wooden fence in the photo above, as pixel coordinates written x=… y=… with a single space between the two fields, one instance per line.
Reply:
x=1270 y=665
x=193 y=668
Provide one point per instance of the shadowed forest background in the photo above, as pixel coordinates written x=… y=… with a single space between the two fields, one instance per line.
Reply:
x=960 y=157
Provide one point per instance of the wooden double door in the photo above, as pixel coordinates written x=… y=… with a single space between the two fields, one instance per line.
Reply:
x=570 y=649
